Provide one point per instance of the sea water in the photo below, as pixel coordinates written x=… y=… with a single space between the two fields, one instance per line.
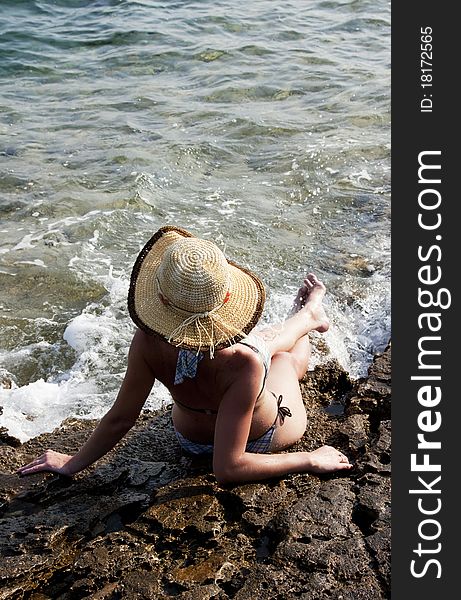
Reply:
x=263 y=126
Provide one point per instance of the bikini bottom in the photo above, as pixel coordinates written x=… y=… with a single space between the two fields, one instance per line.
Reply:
x=260 y=445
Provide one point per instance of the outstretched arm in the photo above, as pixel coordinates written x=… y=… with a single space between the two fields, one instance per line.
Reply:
x=231 y=462
x=133 y=393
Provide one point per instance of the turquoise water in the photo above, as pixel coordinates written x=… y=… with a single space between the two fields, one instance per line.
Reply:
x=264 y=126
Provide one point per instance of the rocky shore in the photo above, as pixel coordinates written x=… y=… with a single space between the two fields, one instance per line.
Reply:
x=147 y=522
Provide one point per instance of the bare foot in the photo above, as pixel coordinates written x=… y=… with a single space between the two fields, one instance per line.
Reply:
x=327 y=459
x=310 y=299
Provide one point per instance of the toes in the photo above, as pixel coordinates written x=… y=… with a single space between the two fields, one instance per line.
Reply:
x=310 y=281
x=303 y=293
x=315 y=279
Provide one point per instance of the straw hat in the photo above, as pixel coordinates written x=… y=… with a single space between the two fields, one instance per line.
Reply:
x=184 y=289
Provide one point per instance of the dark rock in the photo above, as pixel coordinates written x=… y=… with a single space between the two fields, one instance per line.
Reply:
x=356 y=430
x=147 y=522
x=6 y=381
x=6 y=439
x=328 y=382
x=372 y=396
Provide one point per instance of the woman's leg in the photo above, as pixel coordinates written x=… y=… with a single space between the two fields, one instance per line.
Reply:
x=290 y=349
x=308 y=315
x=283 y=380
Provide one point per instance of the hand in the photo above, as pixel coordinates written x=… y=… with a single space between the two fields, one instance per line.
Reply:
x=50 y=461
x=327 y=459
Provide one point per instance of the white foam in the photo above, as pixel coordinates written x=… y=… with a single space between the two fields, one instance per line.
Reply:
x=357 y=330
x=86 y=331
x=100 y=337
x=40 y=406
x=26 y=242
x=68 y=221
x=37 y=262
x=361 y=323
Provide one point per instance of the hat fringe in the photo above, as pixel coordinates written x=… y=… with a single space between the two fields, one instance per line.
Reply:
x=215 y=319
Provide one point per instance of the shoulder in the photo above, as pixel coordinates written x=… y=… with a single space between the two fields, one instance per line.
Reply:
x=240 y=357
x=240 y=365
x=142 y=348
x=141 y=341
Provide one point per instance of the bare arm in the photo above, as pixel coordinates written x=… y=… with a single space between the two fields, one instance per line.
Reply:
x=133 y=393
x=231 y=462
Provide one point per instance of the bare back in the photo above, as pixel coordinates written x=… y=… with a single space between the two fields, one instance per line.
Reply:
x=206 y=390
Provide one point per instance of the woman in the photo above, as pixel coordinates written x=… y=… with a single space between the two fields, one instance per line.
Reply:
x=236 y=396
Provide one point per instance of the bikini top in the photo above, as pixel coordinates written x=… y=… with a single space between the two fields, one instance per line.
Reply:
x=188 y=361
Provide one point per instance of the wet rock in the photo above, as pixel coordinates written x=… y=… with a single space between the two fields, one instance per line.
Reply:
x=372 y=395
x=6 y=439
x=182 y=507
x=358 y=265
x=378 y=453
x=253 y=500
x=6 y=381
x=328 y=382
x=148 y=522
x=356 y=431
x=325 y=515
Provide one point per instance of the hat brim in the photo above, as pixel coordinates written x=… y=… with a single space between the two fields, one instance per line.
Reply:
x=240 y=312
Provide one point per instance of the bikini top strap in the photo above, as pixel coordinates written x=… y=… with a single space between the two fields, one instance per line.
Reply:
x=266 y=370
x=205 y=411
